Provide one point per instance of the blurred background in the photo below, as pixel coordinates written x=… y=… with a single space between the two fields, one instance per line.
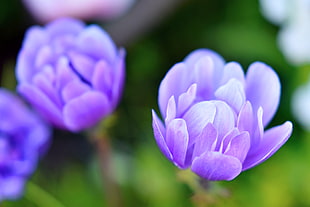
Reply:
x=156 y=35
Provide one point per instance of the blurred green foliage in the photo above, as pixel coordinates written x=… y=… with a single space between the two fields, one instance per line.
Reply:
x=238 y=32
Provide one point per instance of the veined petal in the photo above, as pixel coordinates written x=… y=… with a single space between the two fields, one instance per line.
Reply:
x=173 y=84
x=177 y=141
x=215 y=166
x=233 y=70
x=197 y=117
x=273 y=139
x=239 y=146
x=246 y=118
x=206 y=140
x=171 y=110
x=186 y=99
x=159 y=132
x=224 y=120
x=263 y=89
x=232 y=93
x=203 y=76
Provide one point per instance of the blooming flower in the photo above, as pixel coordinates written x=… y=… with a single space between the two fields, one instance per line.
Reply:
x=23 y=138
x=214 y=115
x=48 y=10
x=293 y=17
x=72 y=74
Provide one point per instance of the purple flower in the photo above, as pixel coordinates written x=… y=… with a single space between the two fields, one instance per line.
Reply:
x=23 y=138
x=214 y=115
x=71 y=73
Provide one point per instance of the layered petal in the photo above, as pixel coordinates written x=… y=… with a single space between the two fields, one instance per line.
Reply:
x=177 y=141
x=263 y=91
x=273 y=139
x=85 y=110
x=216 y=166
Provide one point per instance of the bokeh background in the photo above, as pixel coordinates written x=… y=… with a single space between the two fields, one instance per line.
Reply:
x=155 y=38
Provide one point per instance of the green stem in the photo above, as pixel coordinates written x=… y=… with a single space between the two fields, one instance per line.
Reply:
x=111 y=188
x=40 y=197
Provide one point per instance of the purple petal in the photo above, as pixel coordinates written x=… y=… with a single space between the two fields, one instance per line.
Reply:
x=197 y=117
x=171 y=110
x=224 y=120
x=82 y=64
x=245 y=118
x=74 y=89
x=232 y=93
x=159 y=132
x=86 y=110
x=233 y=70
x=239 y=146
x=64 y=26
x=43 y=83
x=258 y=133
x=64 y=73
x=186 y=99
x=44 y=56
x=222 y=146
x=216 y=166
x=206 y=140
x=263 y=89
x=194 y=56
x=273 y=139
x=177 y=141
x=203 y=76
x=97 y=43
x=118 y=76
x=102 y=79
x=11 y=187
x=174 y=84
x=46 y=107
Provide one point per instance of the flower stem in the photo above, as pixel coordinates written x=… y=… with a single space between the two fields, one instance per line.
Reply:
x=111 y=188
x=40 y=197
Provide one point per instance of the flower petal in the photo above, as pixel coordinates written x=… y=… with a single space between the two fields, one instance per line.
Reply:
x=97 y=43
x=263 y=89
x=174 y=84
x=159 y=132
x=82 y=64
x=232 y=93
x=233 y=70
x=64 y=26
x=41 y=102
x=206 y=140
x=224 y=120
x=215 y=166
x=197 y=117
x=186 y=99
x=171 y=110
x=73 y=89
x=245 y=118
x=177 y=141
x=239 y=146
x=203 y=76
x=85 y=110
x=273 y=139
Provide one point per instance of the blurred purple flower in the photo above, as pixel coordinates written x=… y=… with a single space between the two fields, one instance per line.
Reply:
x=72 y=74
x=23 y=138
x=48 y=10
x=214 y=115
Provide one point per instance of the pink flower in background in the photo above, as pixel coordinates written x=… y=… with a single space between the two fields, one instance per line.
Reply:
x=48 y=10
